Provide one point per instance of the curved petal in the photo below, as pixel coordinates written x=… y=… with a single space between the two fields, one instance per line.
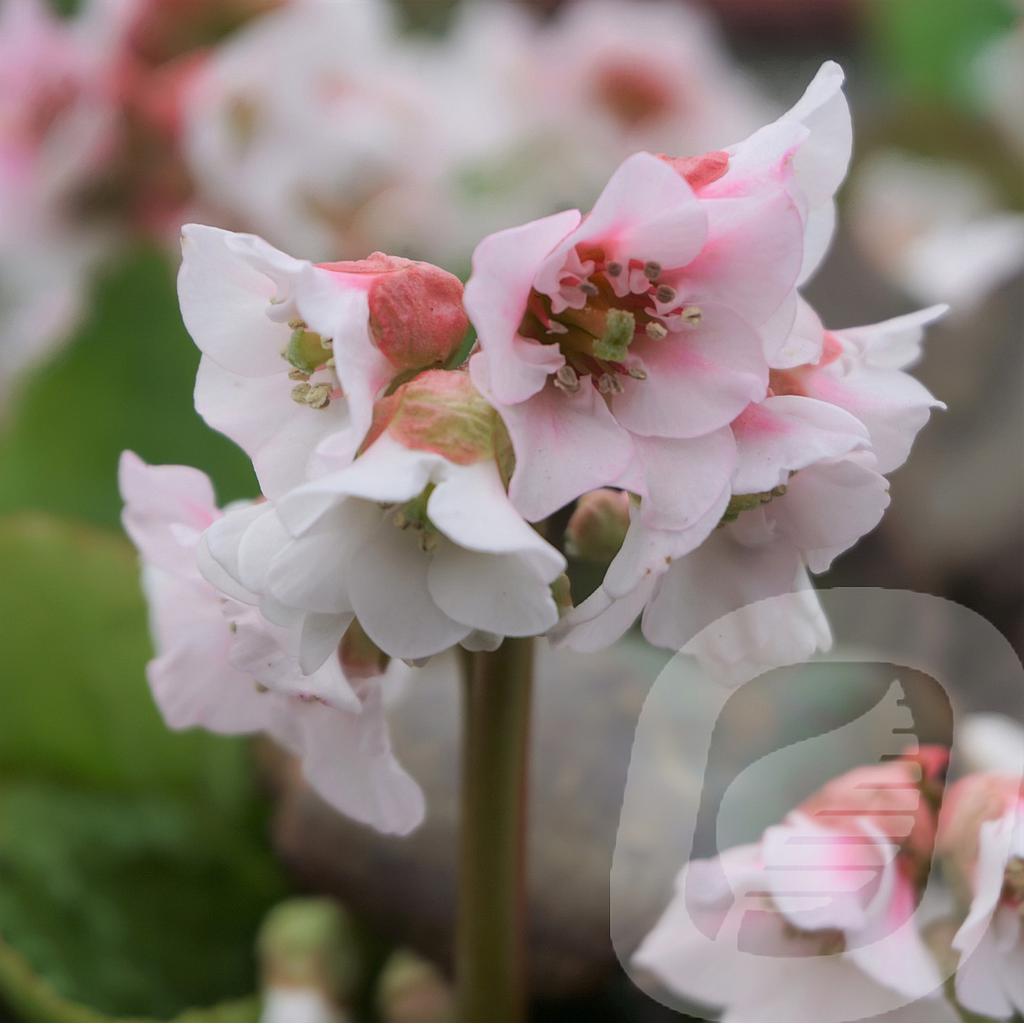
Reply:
x=601 y=619
x=685 y=479
x=698 y=379
x=259 y=415
x=499 y=594
x=646 y=212
x=471 y=508
x=224 y=302
x=392 y=600
x=752 y=257
x=786 y=433
x=347 y=759
x=829 y=506
x=564 y=445
x=893 y=344
x=504 y=267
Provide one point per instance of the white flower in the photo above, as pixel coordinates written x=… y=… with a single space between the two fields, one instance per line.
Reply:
x=220 y=666
x=416 y=539
x=295 y=353
x=312 y=126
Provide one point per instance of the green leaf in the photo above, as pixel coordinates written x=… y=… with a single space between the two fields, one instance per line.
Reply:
x=76 y=706
x=125 y=381
x=127 y=905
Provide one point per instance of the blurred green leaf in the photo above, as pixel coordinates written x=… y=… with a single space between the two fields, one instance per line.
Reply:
x=125 y=381
x=927 y=46
x=75 y=701
x=128 y=905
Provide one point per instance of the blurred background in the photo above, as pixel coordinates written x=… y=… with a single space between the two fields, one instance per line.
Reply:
x=143 y=873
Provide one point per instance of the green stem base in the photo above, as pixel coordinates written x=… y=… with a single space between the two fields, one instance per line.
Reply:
x=490 y=961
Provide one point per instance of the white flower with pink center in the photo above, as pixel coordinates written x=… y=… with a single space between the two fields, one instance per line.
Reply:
x=837 y=887
x=416 y=540
x=296 y=353
x=220 y=666
x=982 y=836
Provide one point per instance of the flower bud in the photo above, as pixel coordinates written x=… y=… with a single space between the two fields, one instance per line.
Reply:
x=416 y=314
x=899 y=798
x=412 y=989
x=971 y=802
x=598 y=525
x=440 y=411
x=360 y=657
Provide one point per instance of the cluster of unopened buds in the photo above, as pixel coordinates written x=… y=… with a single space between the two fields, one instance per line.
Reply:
x=652 y=360
x=842 y=880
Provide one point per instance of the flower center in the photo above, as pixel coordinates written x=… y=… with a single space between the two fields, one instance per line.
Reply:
x=413 y=516
x=601 y=308
x=308 y=354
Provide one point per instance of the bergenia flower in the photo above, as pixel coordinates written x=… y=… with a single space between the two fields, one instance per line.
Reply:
x=416 y=539
x=982 y=837
x=634 y=336
x=220 y=666
x=841 y=873
x=863 y=370
x=295 y=353
x=805 y=488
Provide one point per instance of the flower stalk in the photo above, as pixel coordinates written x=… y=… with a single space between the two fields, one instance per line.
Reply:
x=490 y=956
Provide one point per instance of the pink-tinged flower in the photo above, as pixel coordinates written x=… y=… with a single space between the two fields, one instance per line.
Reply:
x=804 y=489
x=630 y=338
x=416 y=539
x=837 y=887
x=56 y=125
x=295 y=352
x=862 y=370
x=316 y=126
x=982 y=837
x=220 y=666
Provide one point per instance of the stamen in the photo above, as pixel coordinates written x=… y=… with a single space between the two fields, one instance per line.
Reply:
x=589 y=289
x=665 y=294
x=557 y=327
x=613 y=269
x=652 y=270
x=608 y=384
x=637 y=373
x=298 y=375
x=656 y=330
x=567 y=380
x=692 y=315
x=316 y=396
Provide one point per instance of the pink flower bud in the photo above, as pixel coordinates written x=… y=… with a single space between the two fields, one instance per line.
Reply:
x=598 y=525
x=899 y=798
x=971 y=802
x=416 y=314
x=441 y=411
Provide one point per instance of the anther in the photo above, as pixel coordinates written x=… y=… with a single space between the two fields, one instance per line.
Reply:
x=692 y=315
x=656 y=330
x=652 y=270
x=557 y=327
x=567 y=380
x=637 y=373
x=296 y=324
x=588 y=288
x=608 y=384
x=613 y=269
x=665 y=294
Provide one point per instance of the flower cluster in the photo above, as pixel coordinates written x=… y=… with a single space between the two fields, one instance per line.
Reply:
x=656 y=351
x=841 y=879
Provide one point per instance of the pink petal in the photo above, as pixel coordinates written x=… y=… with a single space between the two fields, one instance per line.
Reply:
x=698 y=379
x=504 y=267
x=786 y=433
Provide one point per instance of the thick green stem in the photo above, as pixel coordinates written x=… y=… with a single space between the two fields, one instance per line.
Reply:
x=490 y=944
